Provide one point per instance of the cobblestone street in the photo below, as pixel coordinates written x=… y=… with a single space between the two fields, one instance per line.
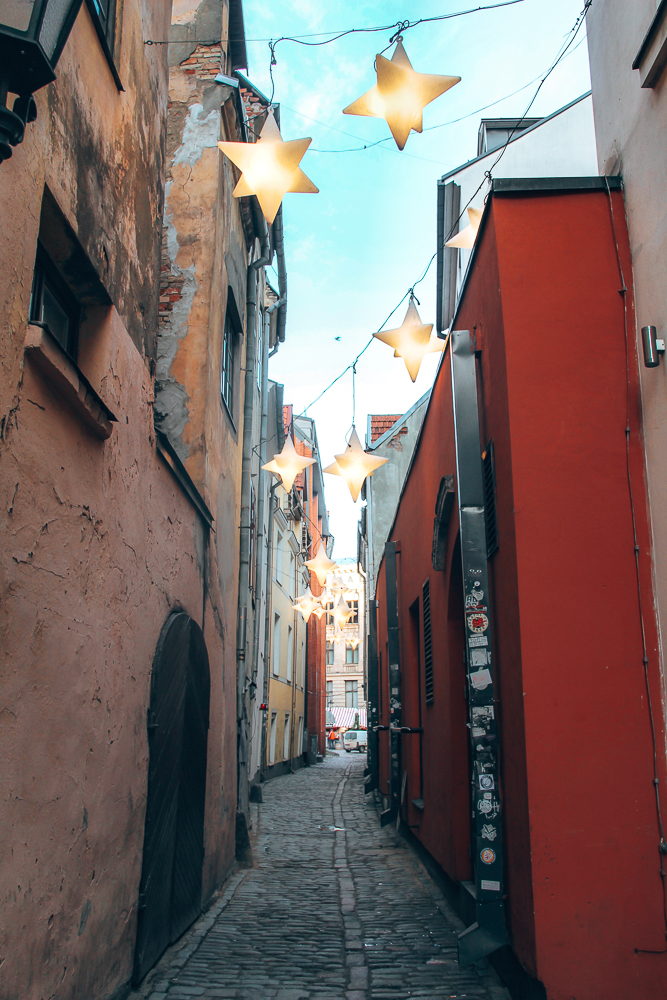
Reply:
x=333 y=908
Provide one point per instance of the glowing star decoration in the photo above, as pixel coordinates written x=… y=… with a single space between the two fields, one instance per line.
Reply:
x=318 y=611
x=288 y=464
x=354 y=465
x=321 y=564
x=341 y=612
x=353 y=643
x=400 y=94
x=306 y=604
x=465 y=240
x=412 y=341
x=269 y=167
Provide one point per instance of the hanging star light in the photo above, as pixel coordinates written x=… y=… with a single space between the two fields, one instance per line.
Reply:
x=354 y=465
x=353 y=643
x=269 y=167
x=465 y=240
x=288 y=464
x=412 y=341
x=321 y=564
x=400 y=94
x=341 y=612
x=306 y=604
x=318 y=611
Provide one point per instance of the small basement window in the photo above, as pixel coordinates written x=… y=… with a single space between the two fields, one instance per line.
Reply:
x=52 y=304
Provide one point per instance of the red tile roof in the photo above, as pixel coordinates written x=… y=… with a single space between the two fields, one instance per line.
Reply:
x=381 y=422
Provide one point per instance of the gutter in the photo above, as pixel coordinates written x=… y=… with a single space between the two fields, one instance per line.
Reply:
x=279 y=238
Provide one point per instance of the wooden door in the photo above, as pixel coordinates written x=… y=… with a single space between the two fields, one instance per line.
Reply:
x=171 y=878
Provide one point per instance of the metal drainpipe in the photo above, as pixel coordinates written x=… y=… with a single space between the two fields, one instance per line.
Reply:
x=244 y=544
x=262 y=461
x=282 y=275
x=267 y=622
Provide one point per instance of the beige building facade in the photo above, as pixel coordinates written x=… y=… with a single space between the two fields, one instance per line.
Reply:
x=345 y=649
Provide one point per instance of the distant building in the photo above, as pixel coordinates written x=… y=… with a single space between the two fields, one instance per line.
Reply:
x=345 y=649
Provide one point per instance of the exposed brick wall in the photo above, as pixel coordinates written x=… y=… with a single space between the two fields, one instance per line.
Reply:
x=205 y=62
x=381 y=422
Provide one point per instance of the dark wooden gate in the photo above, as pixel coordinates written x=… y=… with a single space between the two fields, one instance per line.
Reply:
x=171 y=877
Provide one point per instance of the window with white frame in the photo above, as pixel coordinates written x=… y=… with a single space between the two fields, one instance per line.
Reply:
x=351 y=694
x=276 y=644
x=272 y=737
x=299 y=742
x=330 y=654
x=286 y=737
x=351 y=654
x=280 y=556
x=290 y=652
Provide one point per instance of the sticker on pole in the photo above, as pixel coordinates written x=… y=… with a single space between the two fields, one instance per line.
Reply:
x=478 y=623
x=488 y=855
x=477 y=640
x=490 y=885
x=489 y=832
x=480 y=679
x=486 y=782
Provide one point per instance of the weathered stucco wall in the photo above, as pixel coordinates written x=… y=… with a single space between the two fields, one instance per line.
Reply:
x=99 y=541
x=631 y=131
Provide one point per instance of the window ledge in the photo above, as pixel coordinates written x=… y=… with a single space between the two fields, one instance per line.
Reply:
x=71 y=384
x=652 y=56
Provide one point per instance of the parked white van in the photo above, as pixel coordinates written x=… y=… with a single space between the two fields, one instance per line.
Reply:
x=355 y=739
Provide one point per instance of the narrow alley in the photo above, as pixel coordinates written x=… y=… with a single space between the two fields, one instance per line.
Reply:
x=334 y=907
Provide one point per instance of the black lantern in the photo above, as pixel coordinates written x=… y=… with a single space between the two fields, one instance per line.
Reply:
x=32 y=36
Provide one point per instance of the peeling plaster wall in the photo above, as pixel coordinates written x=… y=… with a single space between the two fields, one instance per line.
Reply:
x=205 y=251
x=99 y=543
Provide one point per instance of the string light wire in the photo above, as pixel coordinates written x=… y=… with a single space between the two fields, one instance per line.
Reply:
x=488 y=176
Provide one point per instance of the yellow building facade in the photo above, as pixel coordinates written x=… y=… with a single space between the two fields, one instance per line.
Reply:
x=286 y=714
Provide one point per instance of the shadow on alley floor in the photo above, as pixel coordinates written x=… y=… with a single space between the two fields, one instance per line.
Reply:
x=325 y=913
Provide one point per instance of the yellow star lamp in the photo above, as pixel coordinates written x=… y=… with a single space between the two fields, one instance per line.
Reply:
x=288 y=464
x=341 y=612
x=321 y=565
x=306 y=604
x=465 y=240
x=269 y=167
x=412 y=341
x=400 y=94
x=354 y=465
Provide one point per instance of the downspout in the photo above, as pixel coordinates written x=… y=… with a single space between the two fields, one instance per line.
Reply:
x=267 y=622
x=279 y=240
x=244 y=546
x=264 y=404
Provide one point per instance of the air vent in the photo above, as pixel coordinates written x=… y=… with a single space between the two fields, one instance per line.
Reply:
x=489 y=473
x=428 y=645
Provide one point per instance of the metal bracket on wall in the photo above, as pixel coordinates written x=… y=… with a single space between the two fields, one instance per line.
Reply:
x=488 y=932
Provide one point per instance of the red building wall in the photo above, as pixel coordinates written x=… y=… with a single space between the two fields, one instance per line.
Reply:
x=579 y=819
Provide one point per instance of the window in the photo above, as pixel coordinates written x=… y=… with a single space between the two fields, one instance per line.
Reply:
x=286 y=738
x=259 y=348
x=280 y=557
x=227 y=366
x=290 y=581
x=330 y=654
x=329 y=691
x=351 y=694
x=329 y=616
x=276 y=645
x=300 y=677
x=290 y=652
x=53 y=304
x=272 y=738
x=351 y=654
x=354 y=617
x=104 y=17
x=489 y=474
x=299 y=742
x=428 y=644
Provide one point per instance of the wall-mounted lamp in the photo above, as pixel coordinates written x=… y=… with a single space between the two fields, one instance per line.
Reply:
x=653 y=347
x=32 y=36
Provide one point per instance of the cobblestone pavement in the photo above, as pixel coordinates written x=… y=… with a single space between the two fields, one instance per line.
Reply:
x=326 y=913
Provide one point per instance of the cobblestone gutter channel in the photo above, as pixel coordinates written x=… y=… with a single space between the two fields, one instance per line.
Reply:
x=334 y=909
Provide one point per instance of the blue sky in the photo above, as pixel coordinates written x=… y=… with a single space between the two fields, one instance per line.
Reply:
x=353 y=250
